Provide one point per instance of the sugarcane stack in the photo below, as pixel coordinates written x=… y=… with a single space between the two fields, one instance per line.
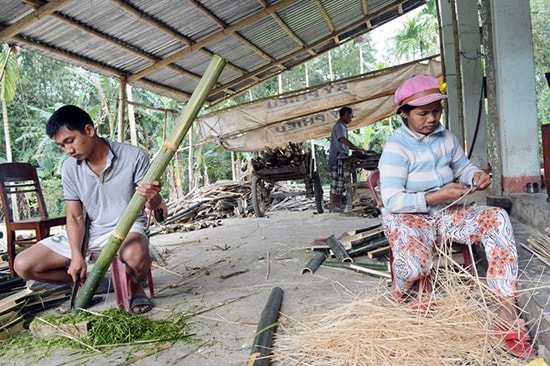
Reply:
x=291 y=155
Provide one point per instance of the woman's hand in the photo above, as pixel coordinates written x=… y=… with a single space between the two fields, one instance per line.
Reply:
x=481 y=181
x=447 y=193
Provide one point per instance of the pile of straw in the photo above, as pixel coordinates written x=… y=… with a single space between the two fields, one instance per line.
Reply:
x=376 y=330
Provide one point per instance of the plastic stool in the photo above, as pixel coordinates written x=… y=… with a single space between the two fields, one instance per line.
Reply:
x=121 y=284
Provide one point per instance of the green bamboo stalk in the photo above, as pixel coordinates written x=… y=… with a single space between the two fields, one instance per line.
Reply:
x=161 y=160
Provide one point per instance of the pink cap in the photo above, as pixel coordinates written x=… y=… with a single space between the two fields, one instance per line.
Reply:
x=419 y=90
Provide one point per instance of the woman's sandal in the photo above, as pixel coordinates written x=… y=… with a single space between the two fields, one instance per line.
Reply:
x=516 y=342
x=425 y=309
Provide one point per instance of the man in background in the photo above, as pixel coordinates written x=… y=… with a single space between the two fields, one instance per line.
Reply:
x=339 y=148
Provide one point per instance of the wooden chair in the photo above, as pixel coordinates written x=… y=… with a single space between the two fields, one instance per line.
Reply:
x=426 y=285
x=24 y=207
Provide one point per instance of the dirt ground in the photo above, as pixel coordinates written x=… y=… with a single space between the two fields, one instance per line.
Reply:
x=227 y=273
x=224 y=276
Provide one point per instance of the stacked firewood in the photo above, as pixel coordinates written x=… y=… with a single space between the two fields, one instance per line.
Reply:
x=286 y=156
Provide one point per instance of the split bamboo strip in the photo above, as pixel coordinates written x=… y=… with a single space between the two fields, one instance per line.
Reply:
x=376 y=330
x=161 y=160
x=540 y=247
x=261 y=348
x=363 y=268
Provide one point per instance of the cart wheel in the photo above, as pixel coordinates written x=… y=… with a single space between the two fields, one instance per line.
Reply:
x=318 y=190
x=260 y=196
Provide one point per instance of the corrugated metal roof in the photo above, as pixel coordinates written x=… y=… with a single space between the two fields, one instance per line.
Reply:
x=165 y=45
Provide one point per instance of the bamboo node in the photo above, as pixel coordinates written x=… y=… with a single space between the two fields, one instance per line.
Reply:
x=170 y=146
x=116 y=236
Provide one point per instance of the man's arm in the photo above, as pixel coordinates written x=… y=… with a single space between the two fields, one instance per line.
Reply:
x=76 y=228
x=350 y=144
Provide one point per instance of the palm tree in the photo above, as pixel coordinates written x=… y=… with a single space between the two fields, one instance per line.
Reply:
x=9 y=75
x=418 y=36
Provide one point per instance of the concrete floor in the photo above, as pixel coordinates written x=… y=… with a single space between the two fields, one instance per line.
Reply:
x=260 y=254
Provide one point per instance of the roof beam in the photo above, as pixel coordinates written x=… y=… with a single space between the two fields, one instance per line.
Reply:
x=169 y=31
x=104 y=37
x=197 y=46
x=294 y=55
x=325 y=15
x=236 y=34
x=286 y=28
x=101 y=68
x=31 y=18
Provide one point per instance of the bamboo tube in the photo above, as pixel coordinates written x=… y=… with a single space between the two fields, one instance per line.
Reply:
x=338 y=250
x=315 y=262
x=161 y=160
x=266 y=328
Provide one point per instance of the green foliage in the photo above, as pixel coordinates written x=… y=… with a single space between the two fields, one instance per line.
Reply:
x=9 y=71
x=108 y=328
x=418 y=37
x=46 y=84
x=540 y=18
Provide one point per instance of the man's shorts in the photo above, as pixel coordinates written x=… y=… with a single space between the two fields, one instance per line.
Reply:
x=337 y=178
x=59 y=243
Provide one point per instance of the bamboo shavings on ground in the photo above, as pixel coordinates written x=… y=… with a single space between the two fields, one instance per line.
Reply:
x=540 y=247
x=374 y=330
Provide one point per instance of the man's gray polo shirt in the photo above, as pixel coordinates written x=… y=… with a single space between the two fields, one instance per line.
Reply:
x=105 y=197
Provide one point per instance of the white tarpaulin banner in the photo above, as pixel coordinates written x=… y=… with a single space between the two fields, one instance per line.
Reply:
x=308 y=114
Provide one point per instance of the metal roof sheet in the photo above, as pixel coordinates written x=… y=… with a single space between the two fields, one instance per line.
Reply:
x=165 y=45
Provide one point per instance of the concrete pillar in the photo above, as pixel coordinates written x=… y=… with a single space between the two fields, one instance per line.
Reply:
x=464 y=75
x=515 y=93
x=447 y=43
x=471 y=73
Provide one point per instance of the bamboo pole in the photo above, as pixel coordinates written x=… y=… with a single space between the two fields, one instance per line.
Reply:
x=161 y=160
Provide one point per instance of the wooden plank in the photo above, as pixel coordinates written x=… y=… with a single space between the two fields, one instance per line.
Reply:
x=12 y=301
x=15 y=326
x=375 y=252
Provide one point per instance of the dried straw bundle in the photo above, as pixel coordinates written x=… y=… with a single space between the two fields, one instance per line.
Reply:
x=376 y=330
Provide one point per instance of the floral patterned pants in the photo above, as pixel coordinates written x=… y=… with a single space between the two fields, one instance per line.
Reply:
x=412 y=238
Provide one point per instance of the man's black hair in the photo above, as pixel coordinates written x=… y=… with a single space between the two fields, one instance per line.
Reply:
x=345 y=110
x=70 y=116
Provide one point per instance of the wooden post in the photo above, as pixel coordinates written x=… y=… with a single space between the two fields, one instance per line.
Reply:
x=121 y=108
x=546 y=157
x=161 y=160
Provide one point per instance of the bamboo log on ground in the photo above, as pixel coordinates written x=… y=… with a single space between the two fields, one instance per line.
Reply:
x=315 y=262
x=339 y=251
x=266 y=329
x=157 y=168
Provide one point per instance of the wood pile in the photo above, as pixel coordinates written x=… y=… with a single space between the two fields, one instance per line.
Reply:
x=206 y=206
x=18 y=304
x=286 y=156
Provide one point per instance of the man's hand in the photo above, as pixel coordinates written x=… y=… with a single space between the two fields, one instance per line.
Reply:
x=78 y=266
x=149 y=190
